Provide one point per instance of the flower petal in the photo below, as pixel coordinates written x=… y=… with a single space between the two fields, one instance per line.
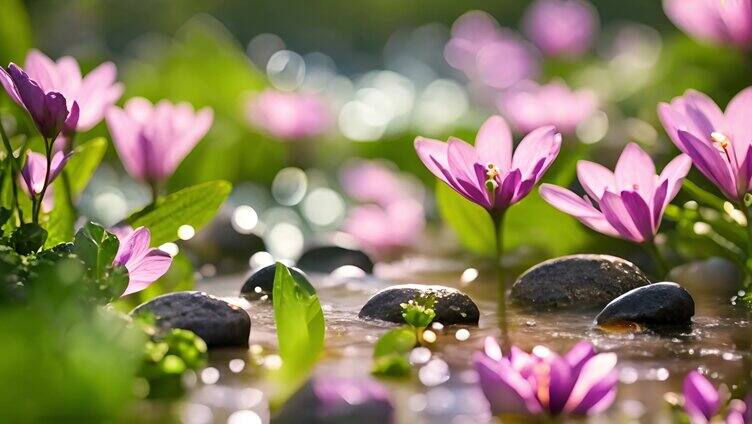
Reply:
x=506 y=390
x=701 y=399
x=596 y=381
x=595 y=178
x=640 y=213
x=635 y=171
x=494 y=143
x=619 y=217
x=543 y=142
x=710 y=162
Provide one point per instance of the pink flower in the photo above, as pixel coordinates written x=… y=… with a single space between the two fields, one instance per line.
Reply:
x=382 y=229
x=488 y=173
x=152 y=140
x=542 y=382
x=145 y=265
x=716 y=21
x=371 y=181
x=35 y=169
x=561 y=27
x=94 y=93
x=528 y=106
x=483 y=51
x=718 y=143
x=629 y=202
x=47 y=108
x=289 y=116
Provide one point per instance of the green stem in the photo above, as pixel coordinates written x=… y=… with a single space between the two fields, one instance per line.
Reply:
x=498 y=221
x=40 y=197
x=661 y=266
x=748 y=262
x=154 y=192
x=13 y=172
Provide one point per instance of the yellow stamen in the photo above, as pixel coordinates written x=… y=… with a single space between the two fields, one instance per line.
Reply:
x=543 y=378
x=492 y=171
x=720 y=139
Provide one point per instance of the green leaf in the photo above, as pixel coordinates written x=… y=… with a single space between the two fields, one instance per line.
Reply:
x=400 y=340
x=28 y=238
x=470 y=222
x=392 y=366
x=531 y=222
x=300 y=328
x=97 y=248
x=194 y=206
x=75 y=177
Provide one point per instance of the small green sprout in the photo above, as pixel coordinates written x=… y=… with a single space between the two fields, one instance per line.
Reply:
x=419 y=312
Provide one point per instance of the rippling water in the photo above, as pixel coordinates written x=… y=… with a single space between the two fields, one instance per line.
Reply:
x=443 y=389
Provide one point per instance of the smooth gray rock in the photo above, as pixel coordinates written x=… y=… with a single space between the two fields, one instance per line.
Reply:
x=333 y=400
x=261 y=282
x=325 y=259
x=658 y=304
x=716 y=277
x=214 y=320
x=577 y=282
x=452 y=306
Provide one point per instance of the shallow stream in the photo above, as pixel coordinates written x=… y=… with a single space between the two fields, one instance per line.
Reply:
x=443 y=388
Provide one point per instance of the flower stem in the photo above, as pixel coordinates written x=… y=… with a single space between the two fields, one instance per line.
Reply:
x=661 y=266
x=498 y=221
x=13 y=172
x=40 y=197
x=748 y=262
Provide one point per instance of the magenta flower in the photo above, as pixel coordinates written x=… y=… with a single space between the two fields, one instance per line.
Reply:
x=718 y=142
x=483 y=51
x=561 y=27
x=35 y=169
x=629 y=202
x=152 y=140
x=542 y=382
x=489 y=174
x=373 y=182
x=289 y=116
x=702 y=402
x=528 y=105
x=48 y=109
x=144 y=264
x=715 y=21
x=94 y=93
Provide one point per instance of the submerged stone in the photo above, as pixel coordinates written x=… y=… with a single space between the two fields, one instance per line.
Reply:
x=452 y=306
x=577 y=282
x=261 y=282
x=658 y=304
x=333 y=400
x=325 y=259
x=214 y=320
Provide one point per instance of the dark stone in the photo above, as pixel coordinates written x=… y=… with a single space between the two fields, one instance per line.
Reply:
x=577 y=282
x=452 y=306
x=331 y=400
x=325 y=259
x=214 y=320
x=653 y=305
x=261 y=282
x=224 y=247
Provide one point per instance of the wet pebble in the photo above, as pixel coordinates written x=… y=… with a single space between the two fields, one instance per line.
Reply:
x=658 y=304
x=577 y=282
x=329 y=400
x=214 y=320
x=261 y=282
x=452 y=306
x=325 y=259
